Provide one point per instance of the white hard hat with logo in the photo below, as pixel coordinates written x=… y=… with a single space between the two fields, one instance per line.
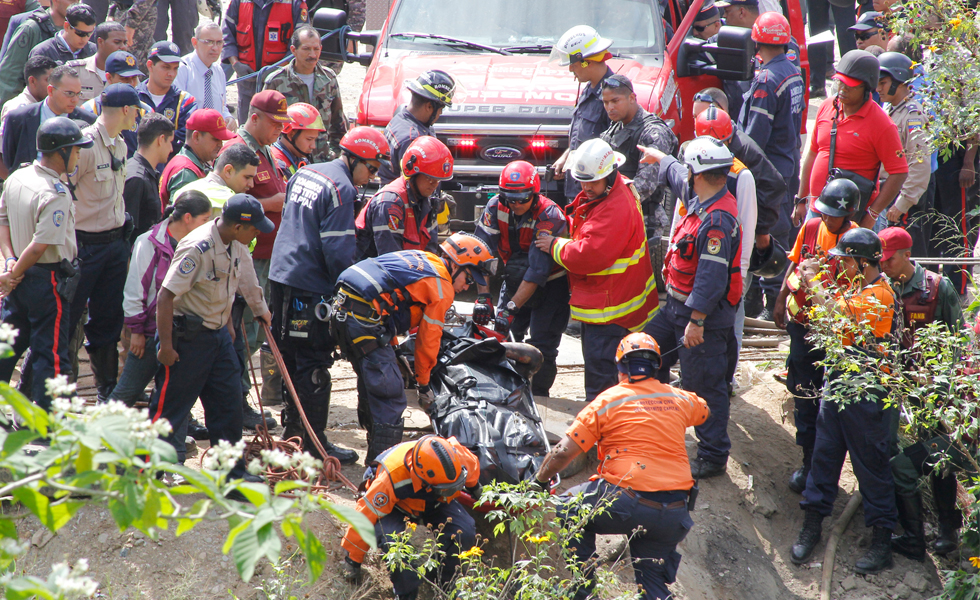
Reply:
x=578 y=44
x=594 y=160
x=706 y=153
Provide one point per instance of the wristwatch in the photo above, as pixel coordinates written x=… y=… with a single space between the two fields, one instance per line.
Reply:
x=698 y=322
x=511 y=306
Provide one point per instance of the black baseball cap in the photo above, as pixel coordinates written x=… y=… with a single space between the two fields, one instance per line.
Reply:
x=869 y=20
x=122 y=63
x=245 y=209
x=120 y=94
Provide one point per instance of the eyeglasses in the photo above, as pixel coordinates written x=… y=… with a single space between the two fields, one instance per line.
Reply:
x=211 y=43
x=865 y=36
x=69 y=93
x=80 y=33
x=701 y=28
x=705 y=97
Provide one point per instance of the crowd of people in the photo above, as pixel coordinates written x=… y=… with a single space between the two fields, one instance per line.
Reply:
x=139 y=208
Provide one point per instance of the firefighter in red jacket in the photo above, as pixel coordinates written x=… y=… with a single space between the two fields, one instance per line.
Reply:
x=702 y=270
x=609 y=271
x=534 y=294
x=401 y=216
x=422 y=481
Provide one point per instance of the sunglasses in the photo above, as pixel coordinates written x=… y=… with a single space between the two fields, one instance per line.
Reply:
x=80 y=33
x=615 y=83
x=373 y=170
x=510 y=198
x=701 y=28
x=865 y=36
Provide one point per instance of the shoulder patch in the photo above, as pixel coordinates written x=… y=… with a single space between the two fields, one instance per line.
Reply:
x=393 y=222
x=380 y=500
x=714 y=245
x=487 y=218
x=187 y=265
x=203 y=246
x=58 y=218
x=22 y=41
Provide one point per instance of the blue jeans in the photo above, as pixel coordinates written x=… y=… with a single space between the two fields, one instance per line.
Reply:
x=136 y=375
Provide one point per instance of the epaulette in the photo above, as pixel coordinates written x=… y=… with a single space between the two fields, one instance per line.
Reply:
x=203 y=246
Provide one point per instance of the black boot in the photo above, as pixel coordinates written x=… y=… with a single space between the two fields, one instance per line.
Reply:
x=196 y=430
x=317 y=416
x=808 y=539
x=251 y=417
x=704 y=469
x=948 y=540
x=542 y=381
x=383 y=436
x=766 y=314
x=797 y=481
x=912 y=543
x=879 y=555
x=105 y=367
x=753 y=299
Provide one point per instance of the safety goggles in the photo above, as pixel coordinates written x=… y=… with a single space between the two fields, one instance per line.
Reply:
x=701 y=28
x=705 y=97
x=512 y=198
x=446 y=490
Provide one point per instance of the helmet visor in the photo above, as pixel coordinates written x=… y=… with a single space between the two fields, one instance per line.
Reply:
x=510 y=198
x=445 y=490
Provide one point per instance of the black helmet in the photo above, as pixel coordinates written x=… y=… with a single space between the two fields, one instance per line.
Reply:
x=839 y=198
x=437 y=86
x=858 y=243
x=897 y=66
x=770 y=262
x=60 y=132
x=860 y=65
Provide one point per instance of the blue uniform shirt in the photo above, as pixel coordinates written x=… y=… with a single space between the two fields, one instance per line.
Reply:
x=400 y=133
x=316 y=239
x=711 y=279
x=540 y=264
x=772 y=113
x=588 y=121
x=176 y=105
x=385 y=221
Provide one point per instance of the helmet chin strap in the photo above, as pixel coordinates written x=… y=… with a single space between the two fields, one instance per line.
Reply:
x=292 y=142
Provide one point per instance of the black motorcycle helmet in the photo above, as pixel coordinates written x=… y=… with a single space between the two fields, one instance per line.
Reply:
x=860 y=65
x=770 y=262
x=437 y=86
x=60 y=132
x=839 y=198
x=897 y=66
x=859 y=243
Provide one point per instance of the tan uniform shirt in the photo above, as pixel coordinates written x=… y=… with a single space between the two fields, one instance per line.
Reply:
x=910 y=120
x=37 y=207
x=99 y=187
x=205 y=274
x=92 y=82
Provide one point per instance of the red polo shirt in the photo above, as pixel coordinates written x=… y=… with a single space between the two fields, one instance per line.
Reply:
x=866 y=141
x=268 y=182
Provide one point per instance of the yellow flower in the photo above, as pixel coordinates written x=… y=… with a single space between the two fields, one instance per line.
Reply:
x=975 y=561
x=537 y=539
x=955 y=21
x=933 y=48
x=412 y=526
x=474 y=551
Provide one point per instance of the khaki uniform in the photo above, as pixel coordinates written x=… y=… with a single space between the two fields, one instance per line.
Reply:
x=88 y=74
x=99 y=188
x=910 y=120
x=207 y=274
x=37 y=207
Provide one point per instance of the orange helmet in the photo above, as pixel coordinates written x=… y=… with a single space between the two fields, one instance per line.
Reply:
x=304 y=116
x=428 y=156
x=366 y=142
x=771 y=28
x=638 y=355
x=470 y=252
x=435 y=462
x=714 y=122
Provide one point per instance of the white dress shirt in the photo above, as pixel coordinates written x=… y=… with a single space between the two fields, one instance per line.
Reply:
x=190 y=78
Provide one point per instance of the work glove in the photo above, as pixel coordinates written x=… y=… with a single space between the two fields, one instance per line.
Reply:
x=536 y=486
x=351 y=570
x=426 y=396
x=241 y=69
x=504 y=319
x=483 y=310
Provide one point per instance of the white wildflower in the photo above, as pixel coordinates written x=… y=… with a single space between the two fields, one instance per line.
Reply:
x=255 y=467
x=307 y=464
x=277 y=458
x=12 y=547
x=7 y=334
x=57 y=386
x=71 y=581
x=223 y=456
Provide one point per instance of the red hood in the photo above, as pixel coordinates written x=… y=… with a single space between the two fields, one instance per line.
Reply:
x=485 y=79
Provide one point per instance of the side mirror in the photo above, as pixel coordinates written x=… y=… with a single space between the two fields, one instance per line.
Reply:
x=730 y=57
x=326 y=20
x=367 y=38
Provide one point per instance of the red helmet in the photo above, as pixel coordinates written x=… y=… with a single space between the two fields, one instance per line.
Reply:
x=771 y=28
x=714 y=122
x=304 y=116
x=365 y=142
x=519 y=183
x=428 y=156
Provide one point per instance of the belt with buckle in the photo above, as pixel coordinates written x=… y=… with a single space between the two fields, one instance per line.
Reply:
x=652 y=503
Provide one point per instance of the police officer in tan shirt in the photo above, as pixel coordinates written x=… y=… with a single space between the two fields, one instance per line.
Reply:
x=196 y=353
x=37 y=236
x=103 y=231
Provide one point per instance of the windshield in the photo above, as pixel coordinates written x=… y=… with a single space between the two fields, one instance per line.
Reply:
x=633 y=25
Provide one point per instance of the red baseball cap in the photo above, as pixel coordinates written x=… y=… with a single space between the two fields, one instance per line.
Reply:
x=273 y=104
x=210 y=121
x=848 y=80
x=894 y=239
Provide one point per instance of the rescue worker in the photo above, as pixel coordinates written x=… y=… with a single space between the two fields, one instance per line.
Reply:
x=102 y=231
x=585 y=53
x=41 y=24
x=37 y=237
x=206 y=132
x=609 y=271
x=315 y=245
x=432 y=92
x=305 y=80
x=861 y=428
x=422 y=480
x=926 y=297
x=256 y=35
x=805 y=375
x=161 y=95
x=196 y=354
x=298 y=139
x=639 y=426
x=378 y=298
x=633 y=126
x=534 y=294
x=909 y=118
x=401 y=216
x=703 y=274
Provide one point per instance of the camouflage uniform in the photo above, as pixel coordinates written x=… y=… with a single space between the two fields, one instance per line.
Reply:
x=326 y=99
x=141 y=15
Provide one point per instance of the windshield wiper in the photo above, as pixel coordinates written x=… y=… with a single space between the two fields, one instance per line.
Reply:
x=450 y=40
x=530 y=48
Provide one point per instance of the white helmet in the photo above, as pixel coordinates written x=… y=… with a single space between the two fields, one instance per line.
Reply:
x=706 y=153
x=594 y=160
x=577 y=44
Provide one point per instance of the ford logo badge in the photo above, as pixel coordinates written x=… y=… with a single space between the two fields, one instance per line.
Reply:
x=501 y=153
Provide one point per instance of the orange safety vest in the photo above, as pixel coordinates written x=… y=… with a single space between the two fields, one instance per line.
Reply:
x=278 y=29
x=799 y=299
